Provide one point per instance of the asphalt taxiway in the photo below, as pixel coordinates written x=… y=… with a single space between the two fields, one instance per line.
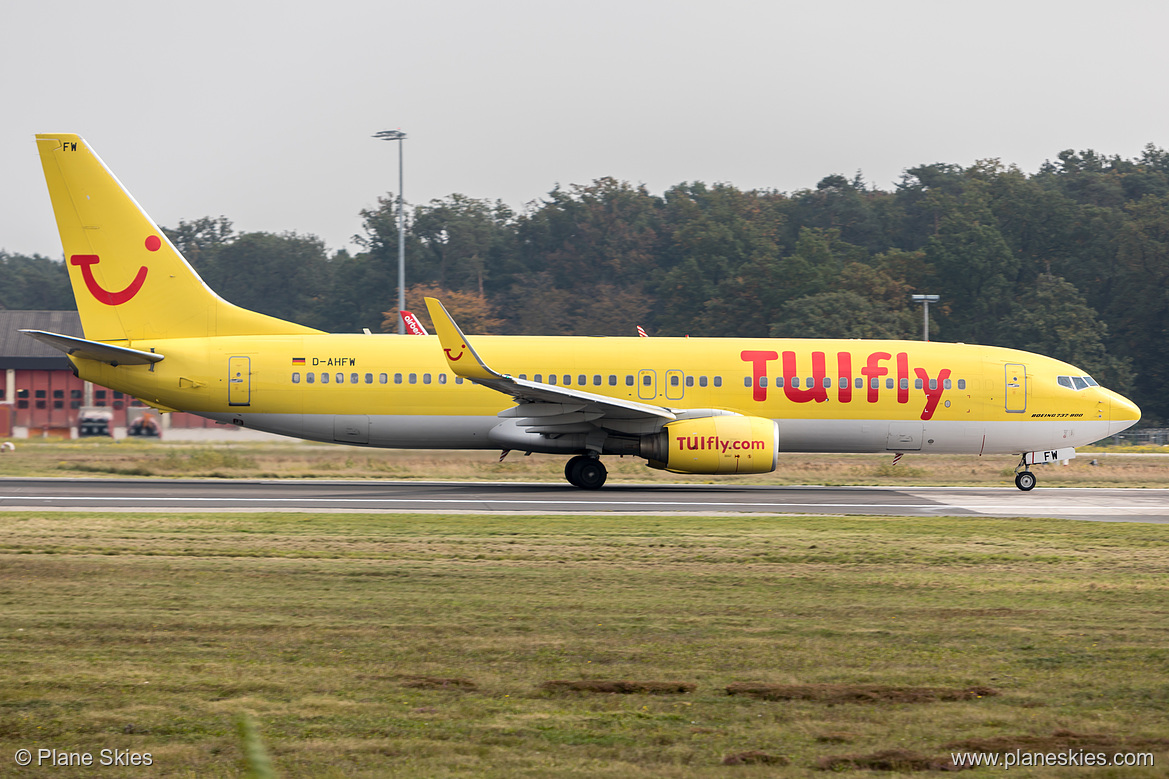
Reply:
x=1099 y=504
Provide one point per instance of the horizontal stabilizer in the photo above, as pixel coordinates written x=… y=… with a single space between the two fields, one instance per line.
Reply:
x=94 y=350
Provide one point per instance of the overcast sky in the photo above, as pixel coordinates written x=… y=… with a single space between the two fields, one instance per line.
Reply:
x=263 y=112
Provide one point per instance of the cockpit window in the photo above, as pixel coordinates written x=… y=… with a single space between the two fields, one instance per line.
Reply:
x=1076 y=382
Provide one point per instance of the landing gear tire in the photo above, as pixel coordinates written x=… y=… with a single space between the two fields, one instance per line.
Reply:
x=585 y=472
x=1025 y=481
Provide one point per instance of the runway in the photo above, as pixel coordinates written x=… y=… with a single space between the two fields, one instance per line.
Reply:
x=1098 y=504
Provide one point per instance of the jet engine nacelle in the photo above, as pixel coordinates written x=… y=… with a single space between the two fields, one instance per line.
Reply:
x=719 y=444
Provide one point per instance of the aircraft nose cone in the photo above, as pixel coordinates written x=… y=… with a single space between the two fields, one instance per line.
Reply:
x=1122 y=414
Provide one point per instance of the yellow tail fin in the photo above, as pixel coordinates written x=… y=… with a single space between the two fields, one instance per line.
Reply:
x=129 y=281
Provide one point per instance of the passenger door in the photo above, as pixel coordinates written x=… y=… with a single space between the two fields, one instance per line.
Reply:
x=1016 y=387
x=239 y=381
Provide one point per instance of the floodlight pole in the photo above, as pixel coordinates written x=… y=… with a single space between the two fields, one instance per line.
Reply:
x=399 y=136
x=925 y=300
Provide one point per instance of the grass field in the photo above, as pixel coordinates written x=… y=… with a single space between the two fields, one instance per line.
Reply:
x=242 y=460
x=403 y=645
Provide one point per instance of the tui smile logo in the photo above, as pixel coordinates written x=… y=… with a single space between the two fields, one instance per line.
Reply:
x=100 y=293
x=451 y=357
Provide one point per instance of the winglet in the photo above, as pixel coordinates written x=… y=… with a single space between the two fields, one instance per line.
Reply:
x=456 y=346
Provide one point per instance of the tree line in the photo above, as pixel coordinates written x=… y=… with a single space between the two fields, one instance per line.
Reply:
x=1071 y=261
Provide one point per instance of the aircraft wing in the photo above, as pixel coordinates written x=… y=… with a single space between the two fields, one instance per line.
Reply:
x=573 y=408
x=94 y=350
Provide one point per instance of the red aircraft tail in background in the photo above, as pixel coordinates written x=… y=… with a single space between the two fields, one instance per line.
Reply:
x=413 y=326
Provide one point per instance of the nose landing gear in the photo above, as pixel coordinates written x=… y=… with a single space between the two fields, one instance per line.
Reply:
x=1024 y=479
x=586 y=472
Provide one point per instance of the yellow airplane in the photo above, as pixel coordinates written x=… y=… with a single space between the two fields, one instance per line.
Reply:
x=155 y=331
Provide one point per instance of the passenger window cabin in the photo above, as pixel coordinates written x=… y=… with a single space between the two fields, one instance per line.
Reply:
x=1069 y=382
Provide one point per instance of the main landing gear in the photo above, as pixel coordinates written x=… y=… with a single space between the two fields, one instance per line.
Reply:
x=585 y=471
x=1024 y=479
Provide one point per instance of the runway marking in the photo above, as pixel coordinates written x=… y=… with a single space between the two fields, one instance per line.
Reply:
x=1022 y=508
x=461 y=501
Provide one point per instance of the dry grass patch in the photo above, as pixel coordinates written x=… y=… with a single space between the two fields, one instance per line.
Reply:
x=857 y=693
x=250 y=460
x=618 y=687
x=1059 y=740
x=900 y=760
x=756 y=757
x=439 y=683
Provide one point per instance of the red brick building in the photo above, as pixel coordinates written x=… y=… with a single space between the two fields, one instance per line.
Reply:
x=40 y=396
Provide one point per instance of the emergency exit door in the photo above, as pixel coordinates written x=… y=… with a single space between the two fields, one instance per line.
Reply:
x=239 y=381
x=647 y=384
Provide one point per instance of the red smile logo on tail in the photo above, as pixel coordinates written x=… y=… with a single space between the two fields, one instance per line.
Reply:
x=85 y=261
